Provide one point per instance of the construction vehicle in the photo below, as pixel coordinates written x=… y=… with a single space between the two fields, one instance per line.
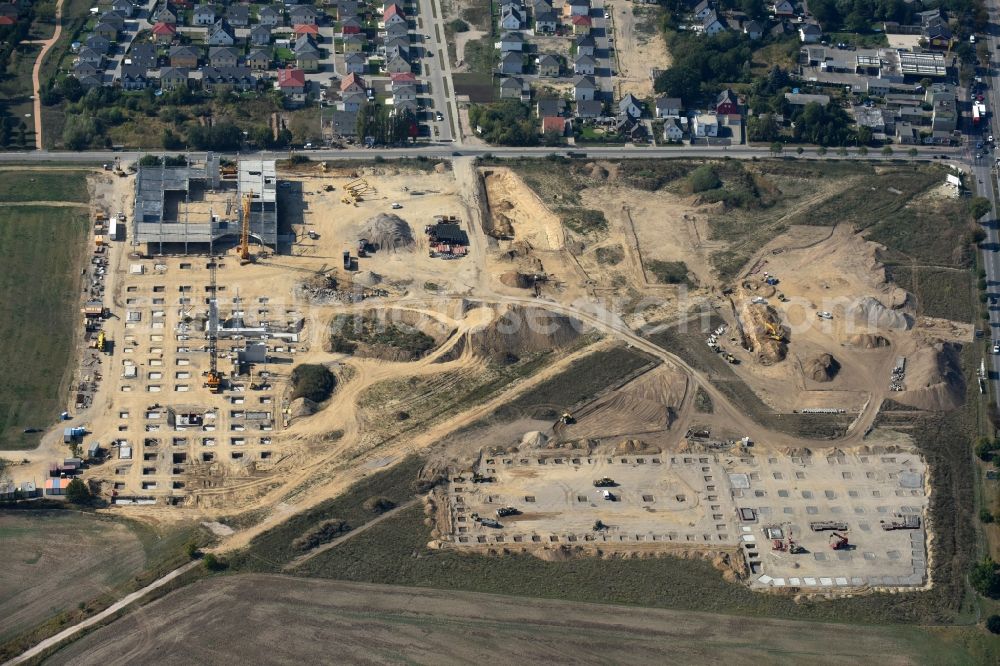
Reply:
x=505 y=511
x=793 y=547
x=604 y=482
x=821 y=525
x=213 y=380
x=567 y=419
x=774 y=332
x=329 y=188
x=312 y=235
x=101 y=341
x=730 y=358
x=482 y=478
x=489 y=522
x=228 y=172
x=244 y=248
x=347 y=260
x=838 y=541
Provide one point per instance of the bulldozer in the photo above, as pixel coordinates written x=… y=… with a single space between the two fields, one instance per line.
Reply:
x=730 y=358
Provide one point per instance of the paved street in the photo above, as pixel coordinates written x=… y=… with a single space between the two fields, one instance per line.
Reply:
x=439 y=71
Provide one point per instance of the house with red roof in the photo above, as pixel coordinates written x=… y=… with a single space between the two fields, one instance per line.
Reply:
x=164 y=33
x=555 y=124
x=352 y=83
x=403 y=77
x=291 y=81
x=582 y=25
x=306 y=29
x=393 y=15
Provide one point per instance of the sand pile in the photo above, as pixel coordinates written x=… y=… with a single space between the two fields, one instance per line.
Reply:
x=388 y=232
x=524 y=330
x=302 y=407
x=516 y=279
x=822 y=368
x=534 y=439
x=934 y=379
x=869 y=312
x=367 y=278
x=867 y=341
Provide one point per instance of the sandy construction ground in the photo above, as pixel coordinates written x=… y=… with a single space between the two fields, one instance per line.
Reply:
x=637 y=53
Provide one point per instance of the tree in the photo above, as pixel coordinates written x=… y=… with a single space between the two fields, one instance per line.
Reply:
x=985 y=579
x=763 y=127
x=171 y=141
x=78 y=493
x=679 y=81
x=312 y=381
x=887 y=151
x=993 y=624
x=821 y=151
x=862 y=150
x=776 y=148
x=212 y=563
x=912 y=152
x=703 y=179
x=978 y=207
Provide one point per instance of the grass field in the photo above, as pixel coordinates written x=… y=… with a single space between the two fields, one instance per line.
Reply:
x=940 y=292
x=55 y=560
x=40 y=251
x=302 y=621
x=44 y=186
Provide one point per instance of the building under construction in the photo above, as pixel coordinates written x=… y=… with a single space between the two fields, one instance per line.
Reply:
x=191 y=209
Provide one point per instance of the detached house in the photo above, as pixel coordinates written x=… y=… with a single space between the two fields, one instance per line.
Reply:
x=110 y=32
x=355 y=63
x=229 y=78
x=238 y=15
x=203 y=15
x=303 y=15
x=631 y=106
x=511 y=41
x=586 y=45
x=512 y=62
x=546 y=21
x=164 y=33
x=291 y=81
x=350 y=26
x=512 y=19
x=184 y=57
x=99 y=44
x=352 y=84
x=576 y=8
x=165 y=15
x=584 y=88
x=581 y=25
x=260 y=35
x=143 y=55
x=394 y=15
x=783 y=8
x=90 y=56
x=584 y=65
x=354 y=43
x=702 y=9
x=512 y=88
x=306 y=54
x=668 y=107
x=172 y=78
x=706 y=126
x=270 y=16
x=134 y=77
x=589 y=109
x=124 y=7
x=810 y=33
x=548 y=65
x=672 y=130
x=223 y=56
x=397 y=65
x=726 y=103
x=711 y=25
x=221 y=34
x=259 y=59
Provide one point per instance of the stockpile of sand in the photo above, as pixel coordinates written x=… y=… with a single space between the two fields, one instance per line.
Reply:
x=867 y=341
x=534 y=440
x=869 y=312
x=302 y=407
x=367 y=278
x=388 y=232
x=822 y=368
x=523 y=330
x=516 y=279
x=934 y=379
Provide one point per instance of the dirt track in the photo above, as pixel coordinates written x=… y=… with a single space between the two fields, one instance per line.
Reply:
x=237 y=619
x=36 y=70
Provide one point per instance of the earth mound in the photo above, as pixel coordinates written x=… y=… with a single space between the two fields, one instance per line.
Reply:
x=388 y=232
x=934 y=380
x=870 y=312
x=524 y=330
x=867 y=341
x=822 y=368
x=302 y=407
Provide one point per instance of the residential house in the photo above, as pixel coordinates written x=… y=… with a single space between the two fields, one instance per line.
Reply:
x=90 y=56
x=354 y=43
x=143 y=55
x=271 y=16
x=117 y=19
x=165 y=15
x=706 y=125
x=223 y=56
x=172 y=78
x=589 y=109
x=753 y=29
x=586 y=45
x=221 y=34
x=550 y=107
x=397 y=64
x=631 y=129
x=541 y=7
x=512 y=19
x=702 y=9
x=668 y=107
x=944 y=116
x=711 y=25
x=396 y=30
x=164 y=33
x=511 y=41
x=393 y=15
x=631 y=106
x=8 y=14
x=581 y=25
x=672 y=130
x=99 y=44
x=353 y=102
x=810 y=33
x=548 y=64
x=291 y=81
x=184 y=57
x=347 y=8
x=726 y=103
x=231 y=78
x=937 y=32
x=783 y=8
x=403 y=93
x=306 y=54
x=573 y=8
x=87 y=79
x=397 y=46
x=584 y=65
x=554 y=125
x=584 y=88
x=907 y=134
x=203 y=15
x=303 y=15
x=350 y=26
x=238 y=15
x=82 y=70
x=344 y=123
x=512 y=62
x=511 y=87
x=310 y=29
x=355 y=63
x=125 y=7
x=260 y=35
x=405 y=106
x=259 y=59
x=110 y=32
x=352 y=83
x=546 y=21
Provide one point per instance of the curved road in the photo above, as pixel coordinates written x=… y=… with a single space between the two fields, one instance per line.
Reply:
x=36 y=70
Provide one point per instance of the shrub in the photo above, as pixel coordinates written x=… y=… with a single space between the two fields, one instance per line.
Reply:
x=984 y=578
x=312 y=381
x=669 y=272
x=993 y=624
x=458 y=25
x=978 y=207
x=704 y=178
x=212 y=563
x=78 y=493
x=325 y=532
x=378 y=504
x=985 y=516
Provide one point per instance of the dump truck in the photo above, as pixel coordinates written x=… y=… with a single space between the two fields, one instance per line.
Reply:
x=824 y=525
x=604 y=482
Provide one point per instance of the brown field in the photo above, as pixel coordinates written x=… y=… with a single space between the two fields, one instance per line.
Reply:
x=238 y=619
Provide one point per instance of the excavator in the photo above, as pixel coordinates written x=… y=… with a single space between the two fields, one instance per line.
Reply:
x=774 y=332
x=838 y=541
x=244 y=248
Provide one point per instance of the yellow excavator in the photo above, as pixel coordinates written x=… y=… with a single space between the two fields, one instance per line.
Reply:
x=774 y=332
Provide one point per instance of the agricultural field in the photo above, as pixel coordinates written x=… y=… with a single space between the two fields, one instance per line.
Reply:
x=41 y=248
x=56 y=560
x=421 y=626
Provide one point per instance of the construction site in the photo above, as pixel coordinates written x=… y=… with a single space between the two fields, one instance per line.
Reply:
x=436 y=295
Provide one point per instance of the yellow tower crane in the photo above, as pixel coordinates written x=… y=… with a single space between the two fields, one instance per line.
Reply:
x=244 y=248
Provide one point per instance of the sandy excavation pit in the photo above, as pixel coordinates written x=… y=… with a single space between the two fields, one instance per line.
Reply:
x=667 y=501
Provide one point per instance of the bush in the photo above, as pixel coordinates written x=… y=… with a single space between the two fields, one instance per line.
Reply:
x=985 y=516
x=78 y=493
x=704 y=178
x=212 y=563
x=984 y=578
x=978 y=207
x=312 y=381
x=669 y=272
x=993 y=624
x=378 y=504
x=985 y=447
x=325 y=532
x=458 y=25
